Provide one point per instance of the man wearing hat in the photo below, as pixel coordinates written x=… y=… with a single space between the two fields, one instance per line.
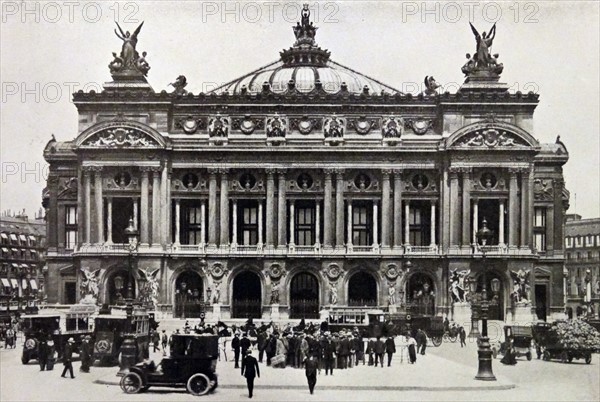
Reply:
x=235 y=346
x=245 y=344
x=250 y=370
x=86 y=354
x=68 y=358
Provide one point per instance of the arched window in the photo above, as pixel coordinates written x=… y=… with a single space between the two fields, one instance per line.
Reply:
x=304 y=296
x=247 y=296
x=362 y=290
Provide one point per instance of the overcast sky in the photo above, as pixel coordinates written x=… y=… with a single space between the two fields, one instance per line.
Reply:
x=50 y=49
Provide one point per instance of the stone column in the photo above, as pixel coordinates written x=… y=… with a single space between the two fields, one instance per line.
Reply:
x=281 y=210
x=135 y=213
x=501 y=239
x=224 y=208
x=339 y=209
x=212 y=207
x=530 y=202
x=165 y=205
x=407 y=223
x=328 y=209
x=475 y=220
x=466 y=208
x=235 y=224
x=270 y=207
x=168 y=211
x=454 y=208
x=550 y=230
x=88 y=207
x=260 y=223
x=317 y=223
x=108 y=220
x=203 y=222
x=397 y=208
x=99 y=204
x=292 y=228
x=524 y=207
x=375 y=226
x=385 y=208
x=144 y=207
x=513 y=209
x=349 y=226
x=432 y=224
x=156 y=205
x=177 y=221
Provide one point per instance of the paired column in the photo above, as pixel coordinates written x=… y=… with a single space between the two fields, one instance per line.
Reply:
x=281 y=210
x=135 y=213
x=406 y=223
x=513 y=209
x=292 y=223
x=530 y=199
x=550 y=230
x=524 y=208
x=349 y=226
x=270 y=208
x=432 y=224
x=88 y=207
x=375 y=227
x=99 y=204
x=397 y=208
x=260 y=223
x=224 y=207
x=177 y=221
x=475 y=220
x=109 y=220
x=144 y=207
x=454 y=208
x=466 y=207
x=155 y=205
x=235 y=224
x=339 y=209
x=164 y=206
x=328 y=209
x=501 y=238
x=212 y=207
x=385 y=209
x=317 y=223
x=203 y=222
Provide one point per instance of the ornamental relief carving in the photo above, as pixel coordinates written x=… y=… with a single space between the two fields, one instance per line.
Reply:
x=218 y=126
x=334 y=127
x=276 y=272
x=247 y=182
x=394 y=273
x=334 y=272
x=217 y=271
x=488 y=180
x=306 y=125
x=543 y=189
x=303 y=182
x=121 y=137
x=276 y=126
x=420 y=182
x=362 y=183
x=247 y=124
x=190 y=124
x=490 y=138
x=363 y=125
x=419 y=126
x=189 y=181
x=67 y=188
x=392 y=127
x=121 y=180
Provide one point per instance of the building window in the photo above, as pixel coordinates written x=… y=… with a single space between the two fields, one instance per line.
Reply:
x=4 y=238
x=539 y=229
x=192 y=225
x=590 y=241
x=361 y=224
x=70 y=226
x=419 y=223
x=305 y=223
x=569 y=242
x=249 y=223
x=578 y=241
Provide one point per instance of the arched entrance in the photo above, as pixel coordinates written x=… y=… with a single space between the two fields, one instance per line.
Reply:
x=420 y=294
x=362 y=290
x=304 y=296
x=496 y=306
x=246 y=300
x=118 y=285
x=189 y=295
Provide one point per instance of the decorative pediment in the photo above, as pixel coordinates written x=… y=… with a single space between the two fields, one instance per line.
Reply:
x=120 y=134
x=491 y=134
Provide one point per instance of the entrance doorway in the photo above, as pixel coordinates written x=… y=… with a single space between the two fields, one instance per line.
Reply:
x=304 y=296
x=541 y=302
x=247 y=300
x=189 y=295
x=362 y=290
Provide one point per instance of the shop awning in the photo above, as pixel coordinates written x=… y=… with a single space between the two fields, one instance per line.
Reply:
x=33 y=284
x=4 y=235
x=24 y=284
x=13 y=237
x=14 y=283
x=5 y=283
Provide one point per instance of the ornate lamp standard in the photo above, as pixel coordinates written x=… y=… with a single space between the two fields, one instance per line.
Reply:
x=128 y=348
x=484 y=352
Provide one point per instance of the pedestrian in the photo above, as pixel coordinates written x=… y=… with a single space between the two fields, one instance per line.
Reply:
x=421 y=341
x=261 y=339
x=165 y=341
x=463 y=336
x=250 y=370
x=271 y=347
x=370 y=347
x=329 y=355
x=9 y=340
x=245 y=344
x=412 y=349
x=43 y=353
x=235 y=346
x=390 y=349
x=155 y=340
x=51 y=355
x=86 y=354
x=68 y=358
x=509 y=356
x=344 y=351
x=304 y=349
x=310 y=367
x=379 y=349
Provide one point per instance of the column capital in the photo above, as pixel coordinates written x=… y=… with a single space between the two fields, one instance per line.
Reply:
x=398 y=173
x=212 y=171
x=513 y=172
x=328 y=171
x=466 y=171
x=270 y=171
x=156 y=169
x=91 y=168
x=223 y=171
x=146 y=169
x=433 y=202
x=453 y=172
x=386 y=173
x=281 y=172
x=339 y=173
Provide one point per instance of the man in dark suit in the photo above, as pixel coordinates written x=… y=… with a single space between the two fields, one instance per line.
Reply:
x=329 y=350
x=311 y=365
x=68 y=358
x=390 y=349
x=235 y=345
x=250 y=370
x=379 y=349
x=245 y=344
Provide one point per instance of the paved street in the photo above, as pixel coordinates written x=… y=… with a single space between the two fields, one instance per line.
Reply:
x=445 y=373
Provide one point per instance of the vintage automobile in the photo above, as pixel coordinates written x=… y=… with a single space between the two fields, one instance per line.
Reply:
x=56 y=325
x=110 y=330
x=522 y=337
x=192 y=364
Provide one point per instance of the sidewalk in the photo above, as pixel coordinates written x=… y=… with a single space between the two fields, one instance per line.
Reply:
x=430 y=373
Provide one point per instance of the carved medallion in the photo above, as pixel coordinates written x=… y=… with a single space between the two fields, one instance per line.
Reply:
x=247 y=124
x=217 y=271
x=218 y=126
x=392 y=272
x=276 y=126
x=333 y=272
x=362 y=125
x=189 y=125
x=334 y=127
x=392 y=127
x=419 y=126
x=275 y=272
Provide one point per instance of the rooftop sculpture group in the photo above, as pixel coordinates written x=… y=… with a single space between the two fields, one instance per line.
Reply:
x=129 y=64
x=483 y=63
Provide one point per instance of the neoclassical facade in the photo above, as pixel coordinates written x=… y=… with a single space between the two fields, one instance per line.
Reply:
x=304 y=185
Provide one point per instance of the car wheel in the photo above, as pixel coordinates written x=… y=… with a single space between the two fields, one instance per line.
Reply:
x=588 y=359
x=131 y=383
x=198 y=384
x=564 y=357
x=528 y=355
x=24 y=360
x=546 y=356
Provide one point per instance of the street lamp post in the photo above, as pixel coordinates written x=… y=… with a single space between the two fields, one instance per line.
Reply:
x=484 y=351
x=128 y=348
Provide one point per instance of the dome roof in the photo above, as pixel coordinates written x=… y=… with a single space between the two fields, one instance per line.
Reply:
x=304 y=68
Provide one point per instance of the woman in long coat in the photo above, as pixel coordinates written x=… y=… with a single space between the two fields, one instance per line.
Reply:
x=412 y=349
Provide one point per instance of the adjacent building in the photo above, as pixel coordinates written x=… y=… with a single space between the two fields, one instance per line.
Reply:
x=22 y=263
x=582 y=253
x=304 y=185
